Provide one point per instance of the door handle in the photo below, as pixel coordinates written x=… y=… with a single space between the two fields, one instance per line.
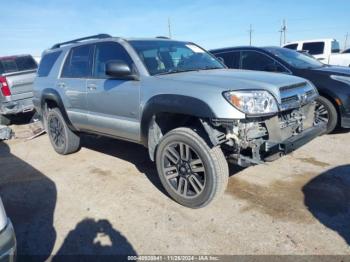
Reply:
x=92 y=87
x=61 y=85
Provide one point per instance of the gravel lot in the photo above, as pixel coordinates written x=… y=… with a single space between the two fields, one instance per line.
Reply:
x=107 y=199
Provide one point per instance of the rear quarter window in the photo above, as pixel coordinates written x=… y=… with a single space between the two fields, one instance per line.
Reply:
x=47 y=63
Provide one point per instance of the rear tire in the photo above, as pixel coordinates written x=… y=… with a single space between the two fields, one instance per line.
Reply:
x=326 y=113
x=63 y=140
x=191 y=172
x=5 y=120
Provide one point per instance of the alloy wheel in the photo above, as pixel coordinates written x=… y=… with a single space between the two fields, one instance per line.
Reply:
x=183 y=170
x=56 y=131
x=321 y=114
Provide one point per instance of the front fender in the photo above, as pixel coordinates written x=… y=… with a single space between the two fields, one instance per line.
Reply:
x=177 y=104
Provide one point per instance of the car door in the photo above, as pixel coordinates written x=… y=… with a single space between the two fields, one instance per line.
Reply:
x=114 y=104
x=76 y=70
x=253 y=60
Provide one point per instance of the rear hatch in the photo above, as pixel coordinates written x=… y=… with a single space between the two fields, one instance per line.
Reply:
x=19 y=72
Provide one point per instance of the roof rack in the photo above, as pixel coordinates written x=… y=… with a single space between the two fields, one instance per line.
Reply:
x=163 y=37
x=99 y=36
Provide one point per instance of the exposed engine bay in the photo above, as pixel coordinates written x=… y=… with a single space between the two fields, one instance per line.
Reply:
x=256 y=140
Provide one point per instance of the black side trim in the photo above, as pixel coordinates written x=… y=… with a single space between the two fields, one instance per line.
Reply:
x=50 y=94
x=176 y=104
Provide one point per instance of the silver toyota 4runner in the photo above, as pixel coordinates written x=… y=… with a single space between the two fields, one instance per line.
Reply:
x=190 y=111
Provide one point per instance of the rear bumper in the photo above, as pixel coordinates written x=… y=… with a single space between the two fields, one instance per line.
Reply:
x=15 y=107
x=8 y=244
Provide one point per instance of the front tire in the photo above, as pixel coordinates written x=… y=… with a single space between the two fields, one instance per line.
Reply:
x=191 y=172
x=325 y=112
x=63 y=140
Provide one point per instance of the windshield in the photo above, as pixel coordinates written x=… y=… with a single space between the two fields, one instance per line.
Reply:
x=295 y=59
x=166 y=57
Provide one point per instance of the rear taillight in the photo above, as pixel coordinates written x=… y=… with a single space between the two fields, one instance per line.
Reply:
x=5 y=89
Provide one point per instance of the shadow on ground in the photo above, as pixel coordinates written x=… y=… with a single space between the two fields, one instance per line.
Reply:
x=131 y=152
x=29 y=198
x=22 y=119
x=327 y=197
x=135 y=154
x=93 y=240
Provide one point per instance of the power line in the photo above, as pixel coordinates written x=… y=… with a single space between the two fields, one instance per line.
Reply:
x=346 y=40
x=169 y=27
x=250 y=34
x=283 y=33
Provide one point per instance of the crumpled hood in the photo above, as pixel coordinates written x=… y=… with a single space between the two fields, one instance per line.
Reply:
x=231 y=79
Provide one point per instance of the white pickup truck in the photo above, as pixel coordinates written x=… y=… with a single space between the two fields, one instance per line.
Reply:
x=325 y=50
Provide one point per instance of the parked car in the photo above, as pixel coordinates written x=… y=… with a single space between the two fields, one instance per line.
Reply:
x=179 y=101
x=346 y=51
x=325 y=50
x=7 y=238
x=332 y=82
x=17 y=75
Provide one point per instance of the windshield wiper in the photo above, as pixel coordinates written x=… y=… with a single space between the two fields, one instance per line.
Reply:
x=172 y=71
x=211 y=68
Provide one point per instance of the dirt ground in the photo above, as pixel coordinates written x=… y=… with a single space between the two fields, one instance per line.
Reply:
x=107 y=199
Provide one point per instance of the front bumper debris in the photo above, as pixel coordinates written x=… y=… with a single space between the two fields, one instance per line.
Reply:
x=258 y=140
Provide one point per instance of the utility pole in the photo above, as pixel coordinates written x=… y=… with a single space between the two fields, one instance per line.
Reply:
x=169 y=27
x=346 y=41
x=250 y=34
x=283 y=32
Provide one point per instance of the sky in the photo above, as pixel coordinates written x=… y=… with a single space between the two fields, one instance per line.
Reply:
x=31 y=26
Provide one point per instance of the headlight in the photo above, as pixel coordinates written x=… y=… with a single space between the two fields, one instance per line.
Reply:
x=252 y=102
x=3 y=217
x=344 y=79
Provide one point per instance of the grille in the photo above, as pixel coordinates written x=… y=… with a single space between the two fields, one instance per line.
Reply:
x=291 y=87
x=296 y=95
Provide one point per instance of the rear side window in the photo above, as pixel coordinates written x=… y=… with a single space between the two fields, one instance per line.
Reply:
x=315 y=48
x=292 y=46
x=26 y=63
x=1 y=68
x=252 y=60
x=15 y=64
x=107 y=52
x=47 y=63
x=79 y=62
x=231 y=59
x=9 y=65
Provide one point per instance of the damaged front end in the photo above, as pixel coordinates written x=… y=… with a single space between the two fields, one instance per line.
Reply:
x=256 y=140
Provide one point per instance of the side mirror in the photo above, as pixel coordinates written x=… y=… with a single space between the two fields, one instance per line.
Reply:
x=119 y=70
